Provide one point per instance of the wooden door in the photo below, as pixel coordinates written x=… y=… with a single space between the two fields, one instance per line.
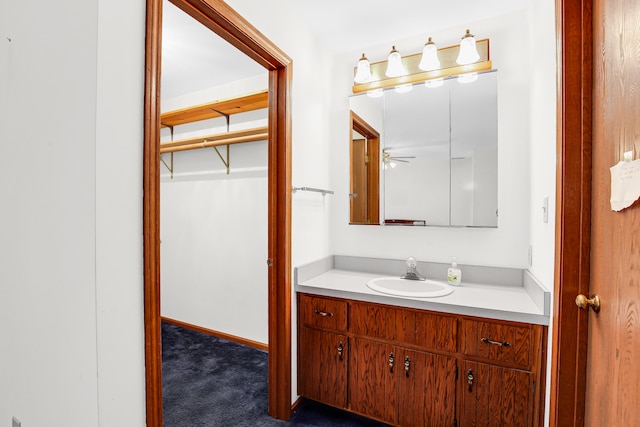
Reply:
x=596 y=357
x=374 y=390
x=613 y=352
x=323 y=359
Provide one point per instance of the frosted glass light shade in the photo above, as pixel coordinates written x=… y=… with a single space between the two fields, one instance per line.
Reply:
x=403 y=88
x=395 y=68
x=429 y=59
x=375 y=93
x=432 y=84
x=468 y=51
x=467 y=78
x=363 y=73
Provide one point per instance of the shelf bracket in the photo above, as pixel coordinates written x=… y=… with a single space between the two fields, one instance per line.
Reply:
x=170 y=168
x=162 y=160
x=225 y=162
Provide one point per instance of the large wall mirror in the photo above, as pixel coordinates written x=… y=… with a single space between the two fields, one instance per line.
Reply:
x=438 y=152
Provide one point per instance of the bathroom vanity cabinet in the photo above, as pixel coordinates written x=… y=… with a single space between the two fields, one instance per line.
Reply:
x=326 y=351
x=412 y=367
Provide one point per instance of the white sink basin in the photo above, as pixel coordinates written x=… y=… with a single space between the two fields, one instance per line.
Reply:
x=409 y=288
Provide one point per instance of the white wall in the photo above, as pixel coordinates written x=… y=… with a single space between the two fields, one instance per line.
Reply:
x=214 y=225
x=313 y=106
x=71 y=221
x=542 y=153
x=506 y=246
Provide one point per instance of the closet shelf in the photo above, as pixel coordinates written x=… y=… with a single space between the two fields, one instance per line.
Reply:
x=227 y=138
x=220 y=108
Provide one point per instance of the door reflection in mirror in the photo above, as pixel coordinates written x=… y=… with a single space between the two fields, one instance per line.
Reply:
x=365 y=181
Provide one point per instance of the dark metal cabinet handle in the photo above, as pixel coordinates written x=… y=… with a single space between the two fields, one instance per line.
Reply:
x=392 y=358
x=407 y=365
x=324 y=313
x=340 y=350
x=498 y=343
x=470 y=379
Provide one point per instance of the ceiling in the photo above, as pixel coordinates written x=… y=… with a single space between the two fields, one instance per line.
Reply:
x=355 y=24
x=194 y=58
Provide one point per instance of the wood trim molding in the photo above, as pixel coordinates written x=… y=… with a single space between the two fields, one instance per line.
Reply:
x=228 y=24
x=361 y=126
x=151 y=214
x=217 y=334
x=573 y=215
x=279 y=246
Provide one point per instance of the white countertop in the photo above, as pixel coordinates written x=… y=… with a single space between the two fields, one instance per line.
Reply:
x=490 y=301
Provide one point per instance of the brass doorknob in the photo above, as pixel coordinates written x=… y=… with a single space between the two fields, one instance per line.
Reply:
x=584 y=302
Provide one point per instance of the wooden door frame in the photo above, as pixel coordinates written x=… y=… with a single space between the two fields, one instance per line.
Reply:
x=573 y=215
x=228 y=24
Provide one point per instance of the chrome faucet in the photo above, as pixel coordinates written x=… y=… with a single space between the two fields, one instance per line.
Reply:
x=412 y=271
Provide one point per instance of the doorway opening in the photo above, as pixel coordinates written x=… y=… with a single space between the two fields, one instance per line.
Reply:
x=225 y=22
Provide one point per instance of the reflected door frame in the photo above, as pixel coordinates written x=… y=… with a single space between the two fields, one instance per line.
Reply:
x=364 y=171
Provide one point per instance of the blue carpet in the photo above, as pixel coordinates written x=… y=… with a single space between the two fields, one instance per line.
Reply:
x=208 y=381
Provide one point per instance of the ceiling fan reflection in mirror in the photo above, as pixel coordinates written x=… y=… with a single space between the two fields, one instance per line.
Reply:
x=389 y=160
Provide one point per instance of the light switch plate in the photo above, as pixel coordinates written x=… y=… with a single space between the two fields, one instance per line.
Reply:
x=545 y=210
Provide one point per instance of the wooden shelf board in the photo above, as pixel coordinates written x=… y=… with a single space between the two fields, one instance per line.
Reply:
x=210 y=110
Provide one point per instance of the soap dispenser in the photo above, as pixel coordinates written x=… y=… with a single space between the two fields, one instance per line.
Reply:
x=454 y=275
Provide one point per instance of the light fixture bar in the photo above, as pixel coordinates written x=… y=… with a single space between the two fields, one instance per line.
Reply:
x=448 y=67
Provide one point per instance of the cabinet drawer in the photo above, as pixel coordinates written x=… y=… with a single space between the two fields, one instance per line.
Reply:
x=498 y=341
x=323 y=312
x=381 y=321
x=436 y=332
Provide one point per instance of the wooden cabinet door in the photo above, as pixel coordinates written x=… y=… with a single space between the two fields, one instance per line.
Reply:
x=495 y=396
x=374 y=390
x=322 y=366
x=427 y=387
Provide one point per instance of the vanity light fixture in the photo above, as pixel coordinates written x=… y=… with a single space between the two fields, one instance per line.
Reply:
x=429 y=59
x=468 y=52
x=411 y=69
x=395 y=68
x=363 y=75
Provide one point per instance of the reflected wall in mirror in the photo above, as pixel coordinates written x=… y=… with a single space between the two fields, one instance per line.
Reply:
x=439 y=152
x=474 y=152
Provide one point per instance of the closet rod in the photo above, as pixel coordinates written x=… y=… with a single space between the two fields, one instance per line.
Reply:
x=235 y=137
x=315 y=190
